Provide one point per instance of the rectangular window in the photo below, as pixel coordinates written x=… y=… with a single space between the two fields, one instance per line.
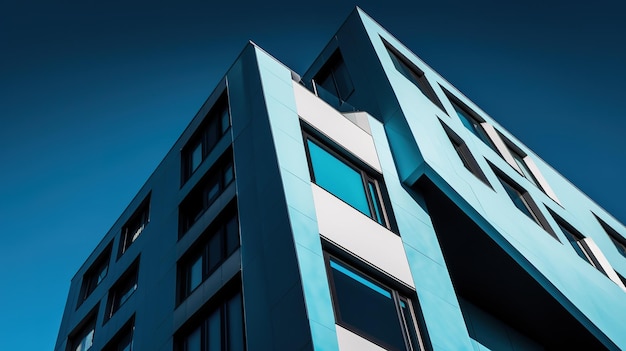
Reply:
x=616 y=238
x=524 y=202
x=206 y=192
x=215 y=245
x=577 y=241
x=413 y=74
x=470 y=120
x=81 y=339
x=358 y=188
x=123 y=339
x=221 y=329
x=465 y=155
x=123 y=289
x=135 y=225
x=95 y=274
x=374 y=311
x=214 y=126
x=334 y=78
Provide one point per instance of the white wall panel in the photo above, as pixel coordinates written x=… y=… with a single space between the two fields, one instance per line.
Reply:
x=359 y=234
x=348 y=341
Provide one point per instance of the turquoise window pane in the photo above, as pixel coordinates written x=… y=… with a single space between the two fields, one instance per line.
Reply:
x=338 y=178
x=377 y=206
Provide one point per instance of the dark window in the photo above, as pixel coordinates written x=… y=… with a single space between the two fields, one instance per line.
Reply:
x=123 y=339
x=123 y=289
x=335 y=78
x=95 y=274
x=519 y=157
x=621 y=277
x=214 y=126
x=81 y=339
x=221 y=329
x=465 y=155
x=470 y=120
x=219 y=241
x=361 y=189
x=372 y=310
x=413 y=74
x=205 y=193
x=576 y=240
x=135 y=225
x=616 y=238
x=524 y=202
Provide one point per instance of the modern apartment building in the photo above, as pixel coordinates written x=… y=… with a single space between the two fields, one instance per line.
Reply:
x=365 y=205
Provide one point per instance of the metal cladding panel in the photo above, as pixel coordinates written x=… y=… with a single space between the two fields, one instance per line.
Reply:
x=284 y=123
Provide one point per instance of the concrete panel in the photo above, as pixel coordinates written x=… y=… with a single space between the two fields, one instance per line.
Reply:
x=348 y=341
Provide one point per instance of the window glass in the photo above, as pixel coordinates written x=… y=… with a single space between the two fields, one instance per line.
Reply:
x=519 y=201
x=214 y=330
x=232 y=236
x=338 y=178
x=235 y=324
x=472 y=125
x=86 y=342
x=192 y=343
x=195 y=273
x=215 y=251
x=354 y=294
x=224 y=120
x=196 y=157
x=573 y=240
x=378 y=210
x=335 y=78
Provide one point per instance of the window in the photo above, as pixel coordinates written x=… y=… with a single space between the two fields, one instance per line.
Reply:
x=135 y=225
x=81 y=339
x=123 y=339
x=522 y=200
x=358 y=188
x=123 y=289
x=215 y=125
x=465 y=155
x=206 y=192
x=577 y=241
x=413 y=74
x=221 y=329
x=215 y=246
x=470 y=119
x=95 y=274
x=372 y=310
x=335 y=78
x=616 y=238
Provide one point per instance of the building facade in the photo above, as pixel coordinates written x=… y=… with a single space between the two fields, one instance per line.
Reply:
x=365 y=205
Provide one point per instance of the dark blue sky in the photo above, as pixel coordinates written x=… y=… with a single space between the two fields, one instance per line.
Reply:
x=95 y=93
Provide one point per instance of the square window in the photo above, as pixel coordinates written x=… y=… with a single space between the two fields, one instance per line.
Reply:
x=123 y=289
x=213 y=247
x=524 y=202
x=215 y=125
x=373 y=310
x=220 y=327
x=616 y=238
x=413 y=74
x=465 y=154
x=135 y=225
x=95 y=274
x=357 y=187
x=334 y=78
x=81 y=339
x=204 y=194
x=123 y=339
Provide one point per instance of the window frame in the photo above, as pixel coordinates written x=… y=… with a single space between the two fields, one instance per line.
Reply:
x=535 y=212
x=416 y=75
x=86 y=327
x=329 y=71
x=198 y=196
x=201 y=249
x=219 y=303
x=399 y=294
x=93 y=275
x=465 y=154
x=136 y=224
x=201 y=137
x=375 y=196
x=616 y=238
x=576 y=240
x=130 y=278
x=464 y=112
x=127 y=331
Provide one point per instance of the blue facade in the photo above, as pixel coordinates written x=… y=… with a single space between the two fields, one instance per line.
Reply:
x=376 y=208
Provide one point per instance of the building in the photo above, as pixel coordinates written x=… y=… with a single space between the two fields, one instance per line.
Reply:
x=284 y=218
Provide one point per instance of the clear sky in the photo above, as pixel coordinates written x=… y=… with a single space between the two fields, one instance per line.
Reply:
x=94 y=93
